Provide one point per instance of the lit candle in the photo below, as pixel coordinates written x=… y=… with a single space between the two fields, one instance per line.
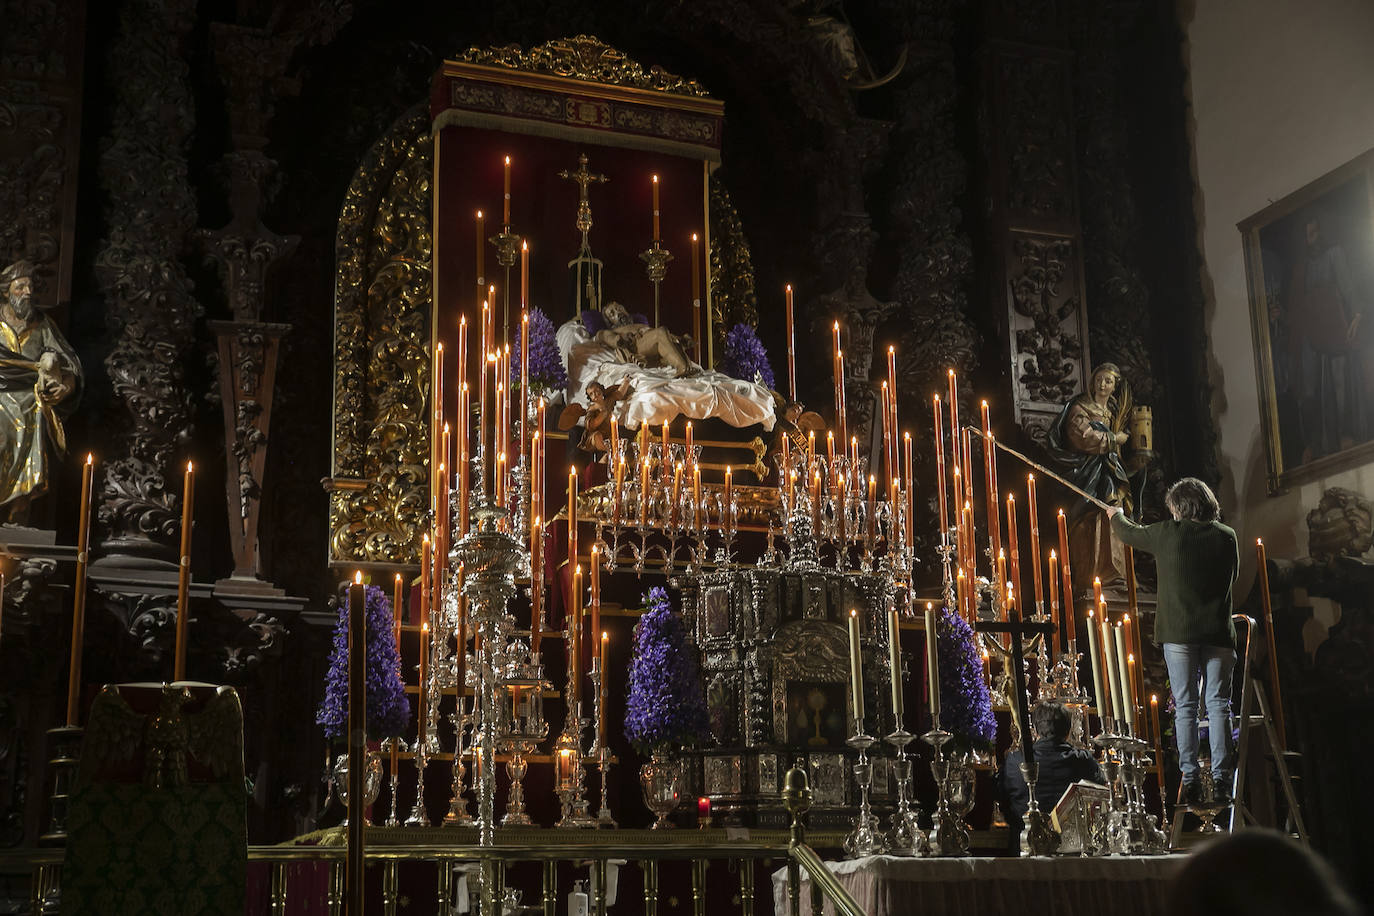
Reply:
x=894 y=661
x=856 y=673
x=690 y=457
x=987 y=667
x=464 y=458
x=959 y=546
x=816 y=503
x=1098 y=600
x=830 y=450
x=184 y=574
x=603 y=692
x=704 y=811
x=596 y=588
x=960 y=591
x=940 y=468
x=1065 y=630
x=1013 y=550
x=536 y=585
x=1124 y=690
x=665 y=459
x=524 y=283
x=426 y=569
x=619 y=486
x=910 y=482
x=1262 y=568
x=696 y=295
x=396 y=614
x=1109 y=659
x=656 y=236
x=791 y=348
x=728 y=510
x=575 y=636
x=538 y=479
x=1104 y=700
x=1130 y=679
x=505 y=212
x=525 y=384
x=933 y=664
x=1158 y=735
x=421 y=711
x=83 y=540
x=481 y=252
x=696 y=498
x=886 y=399
x=1033 y=509
x=677 y=494
x=1067 y=594
x=1001 y=573
x=811 y=447
x=572 y=514
x=643 y=491
x=840 y=503
x=839 y=387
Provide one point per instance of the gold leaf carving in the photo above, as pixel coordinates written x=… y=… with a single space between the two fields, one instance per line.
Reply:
x=584 y=57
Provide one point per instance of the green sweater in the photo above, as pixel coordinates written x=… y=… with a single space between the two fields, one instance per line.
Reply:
x=1197 y=564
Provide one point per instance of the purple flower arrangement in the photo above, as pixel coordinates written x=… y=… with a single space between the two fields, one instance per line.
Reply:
x=546 y=364
x=745 y=358
x=965 y=703
x=666 y=704
x=388 y=711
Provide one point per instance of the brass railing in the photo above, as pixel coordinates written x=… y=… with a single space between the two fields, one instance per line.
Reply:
x=594 y=849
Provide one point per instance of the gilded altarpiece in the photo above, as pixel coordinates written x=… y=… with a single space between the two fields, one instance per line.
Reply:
x=408 y=234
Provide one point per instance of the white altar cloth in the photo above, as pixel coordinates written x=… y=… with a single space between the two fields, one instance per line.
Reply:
x=971 y=886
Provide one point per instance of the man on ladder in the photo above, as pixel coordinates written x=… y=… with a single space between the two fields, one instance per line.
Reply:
x=1197 y=559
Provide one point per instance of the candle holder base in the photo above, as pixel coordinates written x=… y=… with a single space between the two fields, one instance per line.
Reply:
x=65 y=742
x=905 y=838
x=866 y=839
x=948 y=833
x=1038 y=837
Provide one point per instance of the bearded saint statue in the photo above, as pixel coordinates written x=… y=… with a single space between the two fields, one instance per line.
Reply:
x=40 y=378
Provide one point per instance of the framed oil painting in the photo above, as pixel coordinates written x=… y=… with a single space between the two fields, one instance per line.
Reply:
x=1309 y=259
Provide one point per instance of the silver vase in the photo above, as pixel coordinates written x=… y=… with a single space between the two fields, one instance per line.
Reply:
x=661 y=780
x=372 y=779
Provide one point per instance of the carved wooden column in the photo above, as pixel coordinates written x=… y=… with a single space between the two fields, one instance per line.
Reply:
x=1033 y=227
x=150 y=211
x=251 y=63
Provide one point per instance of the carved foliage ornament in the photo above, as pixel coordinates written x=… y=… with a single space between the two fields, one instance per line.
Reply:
x=1048 y=346
x=583 y=57
x=381 y=351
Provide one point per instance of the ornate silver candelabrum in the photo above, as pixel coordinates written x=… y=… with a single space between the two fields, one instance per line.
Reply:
x=866 y=839
x=419 y=817
x=1130 y=830
x=569 y=776
x=906 y=838
x=948 y=832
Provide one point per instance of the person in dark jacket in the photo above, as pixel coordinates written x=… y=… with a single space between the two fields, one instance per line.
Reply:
x=1061 y=765
x=1197 y=558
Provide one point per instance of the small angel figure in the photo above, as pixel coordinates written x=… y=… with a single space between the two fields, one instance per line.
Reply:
x=597 y=416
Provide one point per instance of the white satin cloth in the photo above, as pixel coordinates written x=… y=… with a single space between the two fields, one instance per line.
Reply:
x=659 y=395
x=970 y=886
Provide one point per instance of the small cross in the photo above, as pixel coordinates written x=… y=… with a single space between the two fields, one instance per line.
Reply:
x=582 y=177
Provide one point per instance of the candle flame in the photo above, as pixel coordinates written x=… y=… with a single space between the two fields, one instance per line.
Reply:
x=1061 y=513
x=424 y=627
x=439 y=347
x=462 y=321
x=90 y=458
x=788 y=287
x=1259 y=542
x=853 y=612
x=1011 y=498
x=951 y=372
x=1052 y=556
x=507 y=160
x=1130 y=658
x=398 y=578
x=479 y=214
x=1126 y=618
x=578 y=570
x=524 y=246
x=694 y=236
x=655 y=179
x=1154 y=698
x=358 y=577
x=189 y=467
x=605 y=637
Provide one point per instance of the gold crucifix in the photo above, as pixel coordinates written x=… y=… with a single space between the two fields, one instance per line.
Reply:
x=584 y=207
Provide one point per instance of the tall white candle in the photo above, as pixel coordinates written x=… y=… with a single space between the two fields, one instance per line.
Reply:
x=856 y=672
x=894 y=660
x=932 y=665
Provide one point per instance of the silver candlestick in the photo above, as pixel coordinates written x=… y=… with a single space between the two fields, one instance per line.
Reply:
x=458 y=814
x=392 y=820
x=906 y=838
x=1038 y=837
x=866 y=839
x=419 y=817
x=948 y=832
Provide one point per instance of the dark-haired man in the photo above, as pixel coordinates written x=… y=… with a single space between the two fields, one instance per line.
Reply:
x=1197 y=558
x=1061 y=765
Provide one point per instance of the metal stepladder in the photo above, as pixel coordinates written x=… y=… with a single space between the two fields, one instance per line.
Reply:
x=1254 y=713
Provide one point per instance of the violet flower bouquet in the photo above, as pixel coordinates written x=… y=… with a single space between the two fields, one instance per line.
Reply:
x=666 y=704
x=965 y=702
x=745 y=358
x=546 y=364
x=388 y=710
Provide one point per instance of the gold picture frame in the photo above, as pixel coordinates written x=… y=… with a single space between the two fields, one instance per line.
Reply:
x=1309 y=263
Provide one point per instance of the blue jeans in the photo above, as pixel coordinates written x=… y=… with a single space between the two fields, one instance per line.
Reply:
x=1212 y=666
